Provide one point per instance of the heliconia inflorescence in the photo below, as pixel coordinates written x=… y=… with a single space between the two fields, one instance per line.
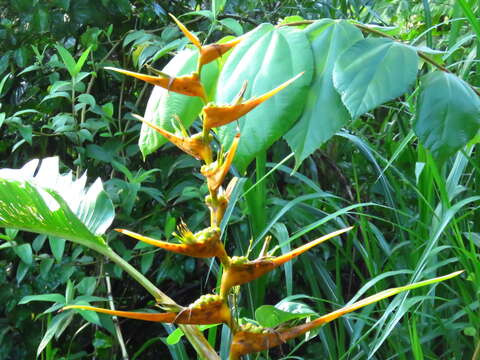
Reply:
x=207 y=243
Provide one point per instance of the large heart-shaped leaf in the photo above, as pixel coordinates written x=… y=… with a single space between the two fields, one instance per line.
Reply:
x=54 y=204
x=266 y=59
x=448 y=114
x=373 y=71
x=163 y=105
x=324 y=112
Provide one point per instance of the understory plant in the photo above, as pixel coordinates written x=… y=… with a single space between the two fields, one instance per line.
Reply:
x=325 y=71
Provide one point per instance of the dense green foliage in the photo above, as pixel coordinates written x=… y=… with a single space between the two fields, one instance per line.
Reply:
x=409 y=185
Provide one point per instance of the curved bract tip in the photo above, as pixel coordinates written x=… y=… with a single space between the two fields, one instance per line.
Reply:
x=216 y=116
x=246 y=271
x=208 y=311
x=189 y=85
x=205 y=244
x=193 y=145
x=189 y=35
x=210 y=52
x=218 y=170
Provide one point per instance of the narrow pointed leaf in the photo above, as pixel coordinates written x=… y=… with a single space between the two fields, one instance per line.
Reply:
x=324 y=112
x=57 y=298
x=68 y=60
x=245 y=342
x=24 y=252
x=374 y=71
x=251 y=60
x=82 y=59
x=54 y=204
x=448 y=114
x=55 y=325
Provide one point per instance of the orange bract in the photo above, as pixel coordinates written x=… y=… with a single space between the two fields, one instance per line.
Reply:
x=210 y=52
x=217 y=205
x=193 y=145
x=187 y=85
x=238 y=274
x=207 y=310
x=216 y=171
x=208 y=244
x=215 y=116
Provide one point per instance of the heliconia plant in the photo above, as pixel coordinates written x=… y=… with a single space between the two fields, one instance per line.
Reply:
x=235 y=118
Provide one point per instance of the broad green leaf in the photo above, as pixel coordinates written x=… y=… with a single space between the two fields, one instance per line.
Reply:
x=24 y=252
x=448 y=114
x=87 y=285
x=53 y=204
x=87 y=99
x=57 y=246
x=266 y=58
x=68 y=60
x=374 y=71
x=232 y=25
x=324 y=112
x=45 y=267
x=272 y=316
x=57 y=298
x=22 y=270
x=41 y=21
x=163 y=105
x=87 y=315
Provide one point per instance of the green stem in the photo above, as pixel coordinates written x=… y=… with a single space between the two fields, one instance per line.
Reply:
x=160 y=297
x=256 y=201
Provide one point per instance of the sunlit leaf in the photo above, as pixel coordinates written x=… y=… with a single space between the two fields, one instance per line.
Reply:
x=448 y=114
x=373 y=71
x=324 y=112
x=266 y=58
x=54 y=204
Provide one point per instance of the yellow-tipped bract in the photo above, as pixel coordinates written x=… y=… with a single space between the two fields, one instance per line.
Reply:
x=241 y=273
x=215 y=116
x=187 y=85
x=193 y=145
x=216 y=171
x=209 y=309
x=206 y=243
